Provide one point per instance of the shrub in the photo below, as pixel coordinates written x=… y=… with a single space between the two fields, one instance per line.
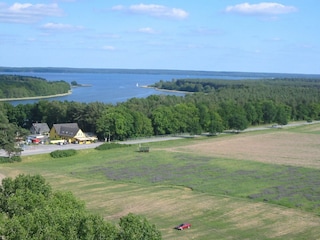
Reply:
x=107 y=146
x=10 y=160
x=63 y=153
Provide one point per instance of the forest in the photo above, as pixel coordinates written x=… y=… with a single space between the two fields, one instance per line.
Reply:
x=14 y=86
x=218 y=105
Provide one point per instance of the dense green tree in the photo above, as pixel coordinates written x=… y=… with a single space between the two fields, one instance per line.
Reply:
x=30 y=209
x=91 y=114
x=238 y=121
x=115 y=123
x=142 y=125
x=135 y=227
x=251 y=113
x=33 y=211
x=39 y=111
x=302 y=111
x=75 y=112
x=269 y=111
x=204 y=117
x=187 y=117
x=9 y=133
x=14 y=86
x=74 y=83
x=314 y=111
x=54 y=112
x=164 y=121
x=283 y=114
x=216 y=123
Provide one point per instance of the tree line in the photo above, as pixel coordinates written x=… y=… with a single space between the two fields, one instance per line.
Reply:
x=14 y=86
x=231 y=105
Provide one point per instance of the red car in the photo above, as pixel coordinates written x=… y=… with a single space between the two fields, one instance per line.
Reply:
x=183 y=226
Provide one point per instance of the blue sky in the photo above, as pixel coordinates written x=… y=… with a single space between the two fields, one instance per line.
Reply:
x=214 y=35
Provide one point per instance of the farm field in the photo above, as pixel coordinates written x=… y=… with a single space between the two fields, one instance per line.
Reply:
x=254 y=185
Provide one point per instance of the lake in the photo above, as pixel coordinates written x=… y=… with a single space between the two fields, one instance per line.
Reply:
x=114 y=87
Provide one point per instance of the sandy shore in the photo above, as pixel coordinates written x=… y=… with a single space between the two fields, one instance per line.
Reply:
x=38 y=97
x=165 y=90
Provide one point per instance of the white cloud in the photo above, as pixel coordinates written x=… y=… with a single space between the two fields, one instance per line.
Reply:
x=61 y=27
x=207 y=31
x=153 y=10
x=147 y=30
x=31 y=39
x=118 y=8
x=276 y=39
x=109 y=48
x=263 y=8
x=27 y=12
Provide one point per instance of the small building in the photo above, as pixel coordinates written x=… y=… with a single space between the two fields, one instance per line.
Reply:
x=71 y=133
x=40 y=129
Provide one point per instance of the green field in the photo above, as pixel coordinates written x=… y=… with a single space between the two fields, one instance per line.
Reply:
x=224 y=195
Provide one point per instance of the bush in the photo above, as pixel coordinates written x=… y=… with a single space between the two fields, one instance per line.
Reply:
x=108 y=146
x=63 y=153
x=10 y=160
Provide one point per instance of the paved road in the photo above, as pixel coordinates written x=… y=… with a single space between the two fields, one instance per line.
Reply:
x=41 y=149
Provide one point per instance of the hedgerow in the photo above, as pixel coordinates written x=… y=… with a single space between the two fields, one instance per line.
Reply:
x=108 y=146
x=63 y=153
x=10 y=160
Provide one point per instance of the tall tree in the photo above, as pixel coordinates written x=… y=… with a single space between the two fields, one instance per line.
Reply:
x=188 y=119
x=251 y=113
x=31 y=210
x=216 y=123
x=204 y=117
x=238 y=121
x=116 y=123
x=269 y=111
x=283 y=114
x=163 y=120
x=92 y=112
x=135 y=227
x=9 y=133
x=141 y=124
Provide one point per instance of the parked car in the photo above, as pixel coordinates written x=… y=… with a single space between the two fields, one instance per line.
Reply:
x=183 y=226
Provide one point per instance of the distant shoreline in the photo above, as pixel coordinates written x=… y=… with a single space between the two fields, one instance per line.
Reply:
x=165 y=90
x=35 y=98
x=81 y=85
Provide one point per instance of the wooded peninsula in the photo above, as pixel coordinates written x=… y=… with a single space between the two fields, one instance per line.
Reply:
x=15 y=86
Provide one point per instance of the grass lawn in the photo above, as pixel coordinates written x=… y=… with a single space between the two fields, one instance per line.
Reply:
x=258 y=185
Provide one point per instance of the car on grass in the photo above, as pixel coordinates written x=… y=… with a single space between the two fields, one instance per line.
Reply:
x=183 y=226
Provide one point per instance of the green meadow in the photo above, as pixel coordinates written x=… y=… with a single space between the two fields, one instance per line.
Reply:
x=222 y=197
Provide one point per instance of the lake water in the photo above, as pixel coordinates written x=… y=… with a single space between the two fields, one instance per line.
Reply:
x=115 y=87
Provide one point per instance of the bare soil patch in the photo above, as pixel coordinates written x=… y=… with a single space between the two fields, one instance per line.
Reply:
x=286 y=148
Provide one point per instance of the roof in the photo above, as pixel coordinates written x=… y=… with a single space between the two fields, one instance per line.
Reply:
x=40 y=127
x=67 y=129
